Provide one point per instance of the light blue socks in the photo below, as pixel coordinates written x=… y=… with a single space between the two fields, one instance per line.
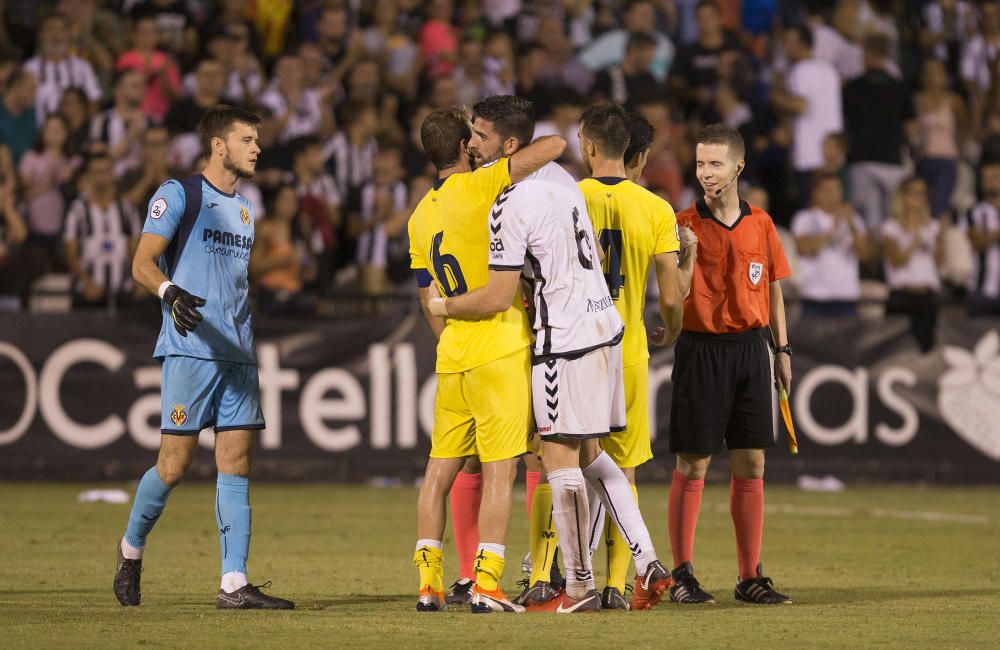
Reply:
x=150 y=499
x=232 y=514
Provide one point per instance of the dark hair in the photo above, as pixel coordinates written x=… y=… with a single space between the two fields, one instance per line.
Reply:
x=724 y=134
x=55 y=15
x=442 y=134
x=301 y=144
x=352 y=111
x=511 y=117
x=877 y=44
x=96 y=156
x=701 y=4
x=219 y=121
x=639 y=40
x=605 y=124
x=640 y=135
x=822 y=177
x=804 y=33
x=40 y=140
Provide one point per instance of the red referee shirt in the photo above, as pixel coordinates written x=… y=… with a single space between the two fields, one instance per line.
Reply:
x=729 y=288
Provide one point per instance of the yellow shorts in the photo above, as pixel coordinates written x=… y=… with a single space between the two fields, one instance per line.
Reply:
x=485 y=411
x=631 y=447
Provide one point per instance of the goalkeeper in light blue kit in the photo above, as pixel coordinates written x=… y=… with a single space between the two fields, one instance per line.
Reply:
x=194 y=253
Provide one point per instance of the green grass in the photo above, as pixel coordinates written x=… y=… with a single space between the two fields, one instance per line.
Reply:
x=867 y=567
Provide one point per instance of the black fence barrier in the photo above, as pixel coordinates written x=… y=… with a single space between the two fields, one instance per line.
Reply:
x=353 y=399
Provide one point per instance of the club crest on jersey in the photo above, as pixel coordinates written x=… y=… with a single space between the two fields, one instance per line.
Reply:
x=245 y=216
x=756 y=271
x=178 y=415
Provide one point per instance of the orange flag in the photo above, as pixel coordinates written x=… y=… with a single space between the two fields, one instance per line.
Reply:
x=786 y=414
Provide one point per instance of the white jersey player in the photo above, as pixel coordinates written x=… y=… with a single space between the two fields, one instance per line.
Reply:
x=577 y=389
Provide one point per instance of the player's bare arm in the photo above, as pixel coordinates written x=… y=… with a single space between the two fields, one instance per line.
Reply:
x=146 y=271
x=779 y=331
x=497 y=295
x=671 y=300
x=688 y=256
x=536 y=155
x=436 y=323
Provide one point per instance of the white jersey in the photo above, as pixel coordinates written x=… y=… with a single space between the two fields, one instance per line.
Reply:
x=543 y=222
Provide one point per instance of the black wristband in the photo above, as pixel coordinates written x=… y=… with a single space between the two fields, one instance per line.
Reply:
x=783 y=349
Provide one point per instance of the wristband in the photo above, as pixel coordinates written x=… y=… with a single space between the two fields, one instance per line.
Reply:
x=783 y=349
x=437 y=306
x=163 y=288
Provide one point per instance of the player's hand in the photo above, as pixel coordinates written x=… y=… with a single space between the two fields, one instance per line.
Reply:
x=183 y=308
x=435 y=303
x=687 y=237
x=658 y=335
x=783 y=371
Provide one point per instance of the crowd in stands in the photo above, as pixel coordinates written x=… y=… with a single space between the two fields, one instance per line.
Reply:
x=872 y=128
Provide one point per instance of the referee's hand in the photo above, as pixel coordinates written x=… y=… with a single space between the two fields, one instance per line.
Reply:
x=783 y=372
x=183 y=308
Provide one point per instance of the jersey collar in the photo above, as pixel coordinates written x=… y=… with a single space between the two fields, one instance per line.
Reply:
x=209 y=183
x=439 y=182
x=705 y=213
x=609 y=180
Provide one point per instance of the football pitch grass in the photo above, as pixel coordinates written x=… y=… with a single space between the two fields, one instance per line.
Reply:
x=872 y=566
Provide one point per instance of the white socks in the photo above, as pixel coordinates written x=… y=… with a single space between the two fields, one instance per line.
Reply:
x=233 y=580
x=597 y=513
x=571 y=515
x=130 y=552
x=498 y=549
x=615 y=493
x=432 y=543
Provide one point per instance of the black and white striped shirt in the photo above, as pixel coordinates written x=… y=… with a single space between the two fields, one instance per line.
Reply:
x=373 y=243
x=352 y=166
x=103 y=237
x=986 y=264
x=56 y=76
x=111 y=128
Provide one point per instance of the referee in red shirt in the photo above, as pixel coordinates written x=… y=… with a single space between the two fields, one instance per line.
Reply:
x=722 y=376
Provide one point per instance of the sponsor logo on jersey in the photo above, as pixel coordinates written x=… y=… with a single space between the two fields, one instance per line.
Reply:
x=158 y=207
x=178 y=415
x=600 y=305
x=245 y=216
x=755 y=271
x=226 y=238
x=496 y=246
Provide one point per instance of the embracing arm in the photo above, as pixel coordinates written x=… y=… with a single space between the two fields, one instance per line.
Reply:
x=497 y=295
x=536 y=155
x=436 y=323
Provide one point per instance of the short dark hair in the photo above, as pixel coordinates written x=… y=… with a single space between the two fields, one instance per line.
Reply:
x=724 y=134
x=511 y=117
x=640 y=135
x=301 y=144
x=639 y=40
x=804 y=33
x=96 y=156
x=877 y=44
x=711 y=4
x=442 y=134
x=219 y=121
x=605 y=124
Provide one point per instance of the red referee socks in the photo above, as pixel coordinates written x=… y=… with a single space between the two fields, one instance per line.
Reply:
x=746 y=504
x=466 y=494
x=682 y=515
x=532 y=479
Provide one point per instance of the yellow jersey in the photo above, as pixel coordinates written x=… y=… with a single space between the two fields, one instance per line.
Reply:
x=449 y=240
x=632 y=224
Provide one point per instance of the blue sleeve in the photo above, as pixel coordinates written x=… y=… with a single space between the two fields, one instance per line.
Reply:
x=165 y=210
x=424 y=278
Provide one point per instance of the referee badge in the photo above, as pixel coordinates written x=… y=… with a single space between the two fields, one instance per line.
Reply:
x=756 y=271
x=179 y=415
x=245 y=216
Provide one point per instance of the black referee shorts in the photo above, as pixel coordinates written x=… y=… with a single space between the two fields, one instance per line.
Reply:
x=722 y=391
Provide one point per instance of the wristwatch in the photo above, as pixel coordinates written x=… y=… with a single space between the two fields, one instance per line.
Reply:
x=786 y=349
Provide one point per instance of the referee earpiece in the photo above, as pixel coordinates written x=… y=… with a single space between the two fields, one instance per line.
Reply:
x=719 y=191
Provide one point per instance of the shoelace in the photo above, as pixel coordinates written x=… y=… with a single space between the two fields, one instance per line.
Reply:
x=523 y=583
x=629 y=590
x=257 y=588
x=690 y=583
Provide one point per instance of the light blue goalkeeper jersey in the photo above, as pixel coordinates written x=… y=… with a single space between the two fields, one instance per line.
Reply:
x=211 y=234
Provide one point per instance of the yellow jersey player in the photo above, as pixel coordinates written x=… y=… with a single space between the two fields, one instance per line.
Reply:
x=482 y=404
x=634 y=227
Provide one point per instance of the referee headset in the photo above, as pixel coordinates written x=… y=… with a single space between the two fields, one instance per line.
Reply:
x=732 y=180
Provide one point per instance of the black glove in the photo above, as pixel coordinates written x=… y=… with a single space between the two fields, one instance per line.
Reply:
x=183 y=308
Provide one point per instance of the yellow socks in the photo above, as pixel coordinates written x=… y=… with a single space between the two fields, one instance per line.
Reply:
x=543 y=541
x=619 y=554
x=428 y=561
x=489 y=567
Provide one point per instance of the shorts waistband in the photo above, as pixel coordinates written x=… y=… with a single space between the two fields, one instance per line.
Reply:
x=729 y=338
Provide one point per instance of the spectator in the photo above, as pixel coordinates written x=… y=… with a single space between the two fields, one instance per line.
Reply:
x=100 y=237
x=941 y=125
x=56 y=69
x=564 y=121
x=835 y=160
x=630 y=80
x=296 y=108
x=699 y=64
x=946 y=24
x=982 y=224
x=281 y=261
x=812 y=97
x=138 y=184
x=876 y=132
x=42 y=170
x=97 y=35
x=74 y=109
x=609 y=48
x=18 y=128
x=499 y=63
x=121 y=127
x=415 y=161
x=186 y=112
x=470 y=73
x=163 y=78
x=13 y=231
x=350 y=154
x=830 y=45
x=385 y=39
x=383 y=215
x=979 y=57
x=320 y=201
x=668 y=153
x=831 y=239
x=913 y=251
x=174 y=24
x=339 y=44
x=563 y=68
x=438 y=39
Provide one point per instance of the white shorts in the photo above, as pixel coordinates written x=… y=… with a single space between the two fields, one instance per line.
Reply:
x=580 y=398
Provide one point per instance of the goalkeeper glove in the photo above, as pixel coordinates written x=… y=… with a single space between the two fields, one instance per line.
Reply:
x=183 y=308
